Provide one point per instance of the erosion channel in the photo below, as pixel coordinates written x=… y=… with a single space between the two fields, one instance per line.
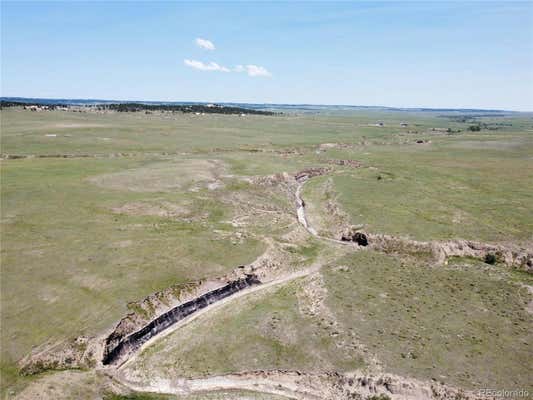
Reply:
x=118 y=348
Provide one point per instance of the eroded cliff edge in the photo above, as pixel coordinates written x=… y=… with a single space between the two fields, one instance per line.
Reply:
x=118 y=347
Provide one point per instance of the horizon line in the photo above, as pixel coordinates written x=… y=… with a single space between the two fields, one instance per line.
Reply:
x=400 y=108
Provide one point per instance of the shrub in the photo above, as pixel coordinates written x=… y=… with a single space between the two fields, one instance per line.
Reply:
x=490 y=258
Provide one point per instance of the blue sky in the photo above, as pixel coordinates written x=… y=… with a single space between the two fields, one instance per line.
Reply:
x=430 y=54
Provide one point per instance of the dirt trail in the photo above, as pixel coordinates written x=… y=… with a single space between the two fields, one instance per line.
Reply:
x=307 y=386
x=229 y=382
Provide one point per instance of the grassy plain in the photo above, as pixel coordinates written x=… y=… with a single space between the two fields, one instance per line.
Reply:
x=448 y=189
x=70 y=263
x=154 y=203
x=466 y=325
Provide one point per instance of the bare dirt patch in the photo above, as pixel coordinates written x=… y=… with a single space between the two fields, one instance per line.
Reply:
x=91 y=282
x=163 y=176
x=70 y=354
x=68 y=385
x=78 y=125
x=311 y=386
x=346 y=163
x=163 y=209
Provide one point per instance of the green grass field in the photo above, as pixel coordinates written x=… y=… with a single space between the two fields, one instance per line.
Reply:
x=454 y=188
x=465 y=325
x=155 y=202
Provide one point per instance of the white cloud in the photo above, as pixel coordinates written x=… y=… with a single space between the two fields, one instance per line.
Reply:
x=205 y=44
x=211 y=66
x=253 y=70
x=250 y=69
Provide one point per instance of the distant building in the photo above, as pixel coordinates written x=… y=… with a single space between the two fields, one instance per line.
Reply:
x=36 y=108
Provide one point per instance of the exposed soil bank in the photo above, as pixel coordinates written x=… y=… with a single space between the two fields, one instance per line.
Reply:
x=309 y=173
x=438 y=251
x=346 y=163
x=310 y=386
x=118 y=347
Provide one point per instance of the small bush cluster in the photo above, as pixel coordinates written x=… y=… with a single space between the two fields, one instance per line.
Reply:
x=490 y=258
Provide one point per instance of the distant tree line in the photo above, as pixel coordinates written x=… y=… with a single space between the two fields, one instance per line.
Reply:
x=134 y=107
x=490 y=126
x=7 y=104
x=473 y=117
x=192 y=108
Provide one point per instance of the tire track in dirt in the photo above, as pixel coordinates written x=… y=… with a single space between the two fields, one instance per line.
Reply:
x=308 y=386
